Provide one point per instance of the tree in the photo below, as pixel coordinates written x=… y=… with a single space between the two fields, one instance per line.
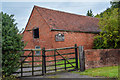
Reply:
x=11 y=44
x=108 y=10
x=89 y=13
x=0 y=45
x=115 y=4
x=110 y=31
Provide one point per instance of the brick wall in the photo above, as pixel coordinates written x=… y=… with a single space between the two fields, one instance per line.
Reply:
x=101 y=57
x=72 y=38
x=36 y=21
x=44 y=40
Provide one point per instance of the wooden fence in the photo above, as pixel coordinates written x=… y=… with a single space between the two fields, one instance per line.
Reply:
x=60 y=61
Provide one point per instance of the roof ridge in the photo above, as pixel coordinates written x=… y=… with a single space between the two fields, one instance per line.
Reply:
x=41 y=15
x=67 y=21
x=64 y=12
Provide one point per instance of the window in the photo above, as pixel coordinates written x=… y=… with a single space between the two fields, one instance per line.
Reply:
x=37 y=52
x=59 y=37
x=36 y=33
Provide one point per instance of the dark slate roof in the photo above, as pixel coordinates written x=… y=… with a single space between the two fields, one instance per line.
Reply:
x=64 y=21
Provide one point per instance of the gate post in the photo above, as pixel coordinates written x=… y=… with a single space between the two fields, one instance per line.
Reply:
x=81 y=58
x=76 y=56
x=32 y=63
x=43 y=62
x=55 y=59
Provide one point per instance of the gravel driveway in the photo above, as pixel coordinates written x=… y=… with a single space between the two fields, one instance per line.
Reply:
x=64 y=75
x=55 y=75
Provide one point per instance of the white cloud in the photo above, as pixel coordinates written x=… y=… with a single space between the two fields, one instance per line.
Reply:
x=0 y=6
x=57 y=0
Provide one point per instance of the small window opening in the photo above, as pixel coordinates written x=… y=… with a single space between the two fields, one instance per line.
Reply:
x=36 y=33
x=37 y=52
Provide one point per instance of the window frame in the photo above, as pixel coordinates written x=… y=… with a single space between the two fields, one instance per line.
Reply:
x=34 y=33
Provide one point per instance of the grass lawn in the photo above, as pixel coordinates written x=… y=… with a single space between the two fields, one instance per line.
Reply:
x=67 y=65
x=110 y=72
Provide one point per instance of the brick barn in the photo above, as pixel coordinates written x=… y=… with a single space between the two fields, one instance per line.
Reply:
x=55 y=29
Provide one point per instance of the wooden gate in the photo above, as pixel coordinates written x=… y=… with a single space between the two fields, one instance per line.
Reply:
x=51 y=61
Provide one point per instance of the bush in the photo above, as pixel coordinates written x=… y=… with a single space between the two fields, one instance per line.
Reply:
x=11 y=45
x=98 y=43
x=109 y=36
x=11 y=77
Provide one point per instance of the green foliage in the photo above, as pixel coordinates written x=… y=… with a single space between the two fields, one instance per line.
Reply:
x=108 y=10
x=89 y=13
x=11 y=77
x=0 y=45
x=115 y=4
x=11 y=45
x=110 y=31
x=98 y=42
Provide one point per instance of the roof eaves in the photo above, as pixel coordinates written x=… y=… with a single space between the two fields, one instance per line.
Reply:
x=95 y=32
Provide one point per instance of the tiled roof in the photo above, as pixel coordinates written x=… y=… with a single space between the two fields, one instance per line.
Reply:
x=58 y=20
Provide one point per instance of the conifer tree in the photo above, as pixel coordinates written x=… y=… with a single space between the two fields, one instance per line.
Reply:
x=11 y=44
x=89 y=13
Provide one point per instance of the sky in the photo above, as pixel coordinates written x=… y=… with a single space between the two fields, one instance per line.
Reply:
x=22 y=10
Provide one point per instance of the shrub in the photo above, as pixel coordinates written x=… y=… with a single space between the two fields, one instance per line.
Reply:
x=11 y=45
x=11 y=77
x=109 y=36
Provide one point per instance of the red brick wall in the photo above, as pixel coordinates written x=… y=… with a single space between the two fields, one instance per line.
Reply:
x=44 y=39
x=72 y=38
x=101 y=57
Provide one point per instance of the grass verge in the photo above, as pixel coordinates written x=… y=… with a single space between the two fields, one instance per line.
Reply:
x=109 y=72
